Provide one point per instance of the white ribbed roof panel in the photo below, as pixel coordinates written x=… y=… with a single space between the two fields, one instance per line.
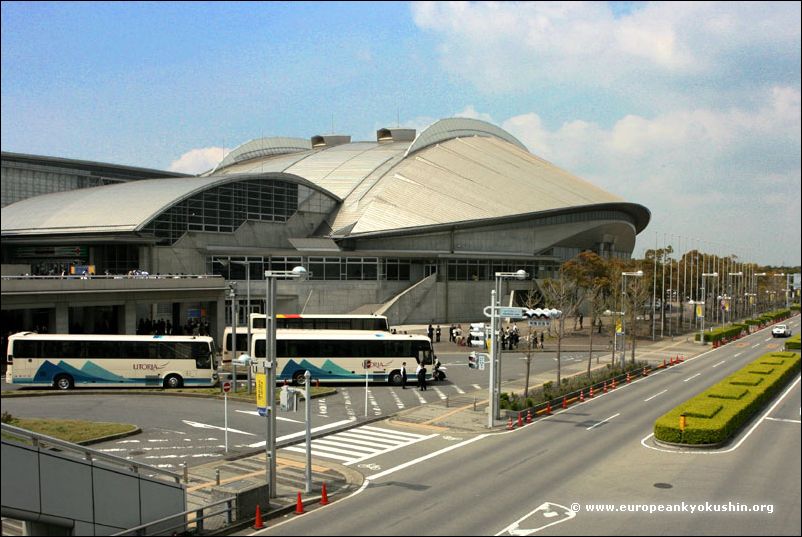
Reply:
x=468 y=179
x=264 y=147
x=456 y=127
x=265 y=165
x=341 y=169
x=118 y=207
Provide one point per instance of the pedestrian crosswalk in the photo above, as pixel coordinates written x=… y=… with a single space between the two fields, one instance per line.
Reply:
x=355 y=445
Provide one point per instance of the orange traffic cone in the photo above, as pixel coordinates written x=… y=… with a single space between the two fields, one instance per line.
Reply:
x=645 y=372
x=565 y=403
x=324 y=498
x=299 y=505
x=529 y=416
x=258 y=524
x=548 y=408
x=612 y=387
x=664 y=363
x=628 y=378
x=581 y=396
x=591 y=392
x=605 y=386
x=509 y=424
x=520 y=420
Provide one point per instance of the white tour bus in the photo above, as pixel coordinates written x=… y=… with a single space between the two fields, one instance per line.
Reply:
x=346 y=356
x=65 y=361
x=374 y=323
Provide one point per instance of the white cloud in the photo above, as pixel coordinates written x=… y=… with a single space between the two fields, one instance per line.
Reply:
x=512 y=47
x=196 y=161
x=732 y=175
x=470 y=112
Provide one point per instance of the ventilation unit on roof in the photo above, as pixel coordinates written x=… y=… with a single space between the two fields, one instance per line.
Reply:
x=329 y=140
x=395 y=135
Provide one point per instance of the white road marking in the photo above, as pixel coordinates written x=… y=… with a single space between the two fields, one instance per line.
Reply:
x=785 y=420
x=756 y=345
x=459 y=390
x=655 y=395
x=255 y=413
x=691 y=377
x=721 y=362
x=547 y=511
x=398 y=402
x=737 y=355
x=302 y=433
x=603 y=421
x=476 y=386
x=440 y=393
x=207 y=426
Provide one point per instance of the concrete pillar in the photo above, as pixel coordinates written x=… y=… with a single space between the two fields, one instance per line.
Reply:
x=129 y=319
x=62 y=318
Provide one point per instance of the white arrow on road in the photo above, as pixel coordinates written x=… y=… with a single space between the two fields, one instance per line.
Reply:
x=207 y=426
x=255 y=413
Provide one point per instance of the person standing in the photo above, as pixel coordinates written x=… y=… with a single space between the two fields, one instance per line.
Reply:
x=422 y=377
x=418 y=375
x=437 y=334
x=403 y=375
x=541 y=341
x=430 y=332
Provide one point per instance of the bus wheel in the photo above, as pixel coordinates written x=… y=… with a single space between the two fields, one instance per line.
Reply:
x=173 y=381
x=395 y=378
x=63 y=382
x=298 y=378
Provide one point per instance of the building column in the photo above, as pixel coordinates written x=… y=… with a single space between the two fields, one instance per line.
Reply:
x=129 y=320
x=62 y=318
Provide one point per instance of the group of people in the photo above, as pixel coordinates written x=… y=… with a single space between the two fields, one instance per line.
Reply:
x=420 y=375
x=162 y=327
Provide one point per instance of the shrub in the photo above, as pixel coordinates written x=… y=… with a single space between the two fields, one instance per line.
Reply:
x=734 y=400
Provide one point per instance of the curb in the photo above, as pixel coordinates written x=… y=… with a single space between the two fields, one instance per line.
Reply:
x=135 y=430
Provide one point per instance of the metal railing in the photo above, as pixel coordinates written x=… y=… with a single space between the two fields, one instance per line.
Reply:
x=195 y=524
x=86 y=453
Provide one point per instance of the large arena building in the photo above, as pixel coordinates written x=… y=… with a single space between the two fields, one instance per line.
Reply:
x=412 y=225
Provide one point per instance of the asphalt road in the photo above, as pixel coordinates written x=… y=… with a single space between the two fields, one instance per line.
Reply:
x=179 y=430
x=596 y=453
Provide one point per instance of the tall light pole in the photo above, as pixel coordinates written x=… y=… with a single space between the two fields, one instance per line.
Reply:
x=704 y=303
x=624 y=275
x=615 y=329
x=225 y=263
x=735 y=293
x=494 y=387
x=269 y=364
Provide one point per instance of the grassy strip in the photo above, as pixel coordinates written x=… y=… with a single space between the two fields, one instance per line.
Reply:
x=716 y=414
x=70 y=430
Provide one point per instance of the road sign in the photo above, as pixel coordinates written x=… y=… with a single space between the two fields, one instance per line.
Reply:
x=261 y=393
x=481 y=358
x=517 y=313
x=533 y=322
x=226 y=386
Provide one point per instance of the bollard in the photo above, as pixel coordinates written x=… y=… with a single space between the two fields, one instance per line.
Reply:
x=186 y=472
x=217 y=476
x=474 y=404
x=446 y=401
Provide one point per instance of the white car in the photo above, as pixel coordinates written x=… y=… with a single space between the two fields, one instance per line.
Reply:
x=781 y=330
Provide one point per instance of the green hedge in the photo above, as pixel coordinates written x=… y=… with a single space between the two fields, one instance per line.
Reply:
x=719 y=412
x=792 y=343
x=724 y=332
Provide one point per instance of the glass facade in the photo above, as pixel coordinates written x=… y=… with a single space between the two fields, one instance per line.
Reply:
x=20 y=181
x=224 y=208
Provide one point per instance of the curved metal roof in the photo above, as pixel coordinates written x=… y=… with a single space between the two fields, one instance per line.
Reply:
x=263 y=147
x=124 y=207
x=456 y=171
x=457 y=127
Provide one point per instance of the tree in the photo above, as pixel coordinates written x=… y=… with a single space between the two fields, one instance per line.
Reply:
x=592 y=275
x=562 y=294
x=533 y=298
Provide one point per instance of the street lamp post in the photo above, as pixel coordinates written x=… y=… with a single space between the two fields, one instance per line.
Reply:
x=494 y=387
x=624 y=275
x=704 y=303
x=615 y=330
x=270 y=365
x=735 y=295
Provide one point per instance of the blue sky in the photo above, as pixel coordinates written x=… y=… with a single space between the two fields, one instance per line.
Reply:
x=691 y=109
